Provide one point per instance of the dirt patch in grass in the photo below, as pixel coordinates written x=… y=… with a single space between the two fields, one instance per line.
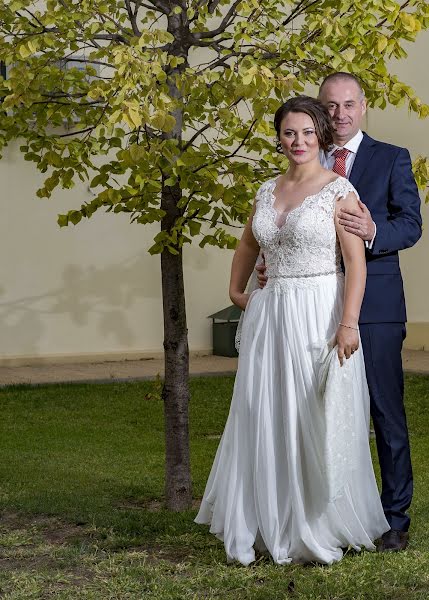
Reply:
x=151 y=505
x=32 y=554
x=42 y=545
x=52 y=530
x=174 y=554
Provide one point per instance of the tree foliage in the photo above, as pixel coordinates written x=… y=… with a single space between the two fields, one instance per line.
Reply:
x=138 y=96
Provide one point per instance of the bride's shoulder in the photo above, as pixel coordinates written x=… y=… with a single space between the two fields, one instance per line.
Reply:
x=265 y=188
x=342 y=186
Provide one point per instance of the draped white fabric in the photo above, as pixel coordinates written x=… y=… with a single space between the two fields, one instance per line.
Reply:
x=293 y=472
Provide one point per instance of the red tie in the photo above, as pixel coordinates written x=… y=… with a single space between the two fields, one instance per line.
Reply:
x=341 y=155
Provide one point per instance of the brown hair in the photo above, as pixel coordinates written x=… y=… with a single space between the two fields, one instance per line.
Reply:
x=314 y=109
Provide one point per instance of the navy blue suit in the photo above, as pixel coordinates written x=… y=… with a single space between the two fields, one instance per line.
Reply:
x=382 y=175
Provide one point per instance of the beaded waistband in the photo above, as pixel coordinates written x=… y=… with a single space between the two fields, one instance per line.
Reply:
x=306 y=275
x=306 y=281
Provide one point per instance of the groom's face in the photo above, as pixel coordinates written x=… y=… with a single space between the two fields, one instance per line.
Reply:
x=346 y=105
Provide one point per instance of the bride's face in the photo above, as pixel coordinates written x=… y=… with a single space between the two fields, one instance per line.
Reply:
x=298 y=138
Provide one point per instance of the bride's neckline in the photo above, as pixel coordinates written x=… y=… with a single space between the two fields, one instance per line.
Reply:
x=285 y=214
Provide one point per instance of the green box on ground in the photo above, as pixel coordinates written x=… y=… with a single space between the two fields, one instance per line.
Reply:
x=225 y=324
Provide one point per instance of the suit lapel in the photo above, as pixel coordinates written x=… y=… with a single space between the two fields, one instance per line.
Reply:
x=363 y=159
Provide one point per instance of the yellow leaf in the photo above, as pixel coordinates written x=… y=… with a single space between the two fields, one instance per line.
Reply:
x=249 y=76
x=132 y=118
x=24 y=51
x=248 y=79
x=349 y=54
x=265 y=71
x=381 y=43
x=169 y=123
x=158 y=119
x=32 y=45
x=408 y=21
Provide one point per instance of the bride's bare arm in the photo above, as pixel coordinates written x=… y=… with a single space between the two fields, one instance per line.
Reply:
x=243 y=264
x=353 y=251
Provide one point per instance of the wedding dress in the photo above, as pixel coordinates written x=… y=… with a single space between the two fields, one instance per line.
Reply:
x=293 y=472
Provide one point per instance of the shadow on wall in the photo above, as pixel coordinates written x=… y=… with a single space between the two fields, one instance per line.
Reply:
x=103 y=297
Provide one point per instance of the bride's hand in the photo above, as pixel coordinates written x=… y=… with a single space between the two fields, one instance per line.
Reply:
x=347 y=340
x=240 y=300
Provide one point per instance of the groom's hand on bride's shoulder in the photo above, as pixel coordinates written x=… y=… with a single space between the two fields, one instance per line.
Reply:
x=260 y=275
x=358 y=221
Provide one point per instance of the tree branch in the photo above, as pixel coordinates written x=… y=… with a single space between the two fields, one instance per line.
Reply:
x=87 y=61
x=212 y=5
x=133 y=18
x=110 y=37
x=299 y=8
x=205 y=127
x=64 y=135
x=214 y=45
x=194 y=137
x=79 y=23
x=402 y=8
x=35 y=18
x=220 y=62
x=228 y=156
x=106 y=17
x=51 y=101
x=162 y=6
x=226 y=21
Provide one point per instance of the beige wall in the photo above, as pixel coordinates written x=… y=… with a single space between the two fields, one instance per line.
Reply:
x=91 y=289
x=94 y=292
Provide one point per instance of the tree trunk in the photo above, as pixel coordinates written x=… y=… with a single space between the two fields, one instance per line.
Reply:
x=178 y=487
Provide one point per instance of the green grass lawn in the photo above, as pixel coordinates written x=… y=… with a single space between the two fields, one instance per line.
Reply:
x=81 y=486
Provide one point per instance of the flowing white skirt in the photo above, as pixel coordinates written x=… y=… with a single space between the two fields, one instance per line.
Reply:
x=293 y=472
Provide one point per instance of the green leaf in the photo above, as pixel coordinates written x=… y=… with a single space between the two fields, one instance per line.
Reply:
x=74 y=216
x=63 y=220
x=137 y=153
x=194 y=227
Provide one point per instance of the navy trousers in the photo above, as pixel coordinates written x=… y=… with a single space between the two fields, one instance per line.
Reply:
x=382 y=345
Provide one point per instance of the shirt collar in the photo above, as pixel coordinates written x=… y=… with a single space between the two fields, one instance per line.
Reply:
x=352 y=145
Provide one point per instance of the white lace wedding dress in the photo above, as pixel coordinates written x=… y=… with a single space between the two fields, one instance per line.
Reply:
x=293 y=472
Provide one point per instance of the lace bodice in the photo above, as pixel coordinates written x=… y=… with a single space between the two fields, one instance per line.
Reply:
x=306 y=244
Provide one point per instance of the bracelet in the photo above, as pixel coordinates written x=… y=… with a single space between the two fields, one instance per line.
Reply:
x=349 y=326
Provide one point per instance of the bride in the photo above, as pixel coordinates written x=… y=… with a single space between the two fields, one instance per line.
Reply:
x=293 y=473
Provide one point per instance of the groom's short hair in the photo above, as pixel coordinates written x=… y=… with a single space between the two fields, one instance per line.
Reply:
x=343 y=76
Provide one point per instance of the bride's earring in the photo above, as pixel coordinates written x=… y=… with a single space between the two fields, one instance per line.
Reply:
x=279 y=147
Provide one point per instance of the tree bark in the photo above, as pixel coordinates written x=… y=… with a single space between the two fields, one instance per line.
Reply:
x=178 y=487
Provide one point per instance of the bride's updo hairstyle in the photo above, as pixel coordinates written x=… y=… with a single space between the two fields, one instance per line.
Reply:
x=314 y=109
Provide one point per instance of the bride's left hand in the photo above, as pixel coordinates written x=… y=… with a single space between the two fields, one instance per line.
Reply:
x=347 y=341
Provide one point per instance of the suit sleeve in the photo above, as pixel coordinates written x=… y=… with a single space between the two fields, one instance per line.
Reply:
x=403 y=225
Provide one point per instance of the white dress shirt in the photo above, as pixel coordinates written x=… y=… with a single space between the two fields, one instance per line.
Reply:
x=327 y=160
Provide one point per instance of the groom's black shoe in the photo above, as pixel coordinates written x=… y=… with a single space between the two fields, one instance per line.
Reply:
x=393 y=541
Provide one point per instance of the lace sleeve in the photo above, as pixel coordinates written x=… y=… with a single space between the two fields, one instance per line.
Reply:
x=345 y=188
x=339 y=190
x=260 y=194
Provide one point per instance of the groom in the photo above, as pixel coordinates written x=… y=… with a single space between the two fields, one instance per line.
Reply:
x=388 y=220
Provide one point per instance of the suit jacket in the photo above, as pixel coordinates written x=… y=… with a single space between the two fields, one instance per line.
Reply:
x=382 y=175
